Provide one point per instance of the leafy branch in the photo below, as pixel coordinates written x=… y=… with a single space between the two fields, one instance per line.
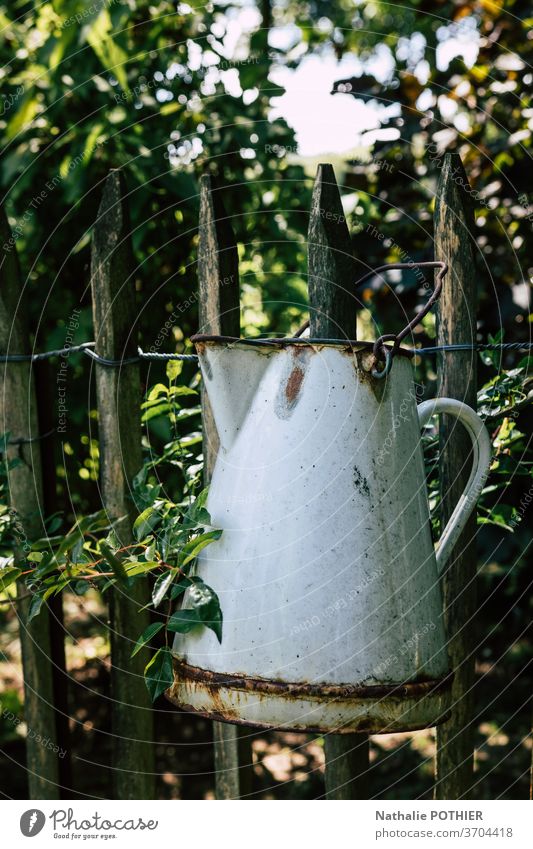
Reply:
x=168 y=537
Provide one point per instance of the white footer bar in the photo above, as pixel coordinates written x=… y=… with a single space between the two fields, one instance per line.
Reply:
x=313 y=824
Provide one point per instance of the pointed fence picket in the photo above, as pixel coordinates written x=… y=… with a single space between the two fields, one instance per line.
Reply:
x=118 y=391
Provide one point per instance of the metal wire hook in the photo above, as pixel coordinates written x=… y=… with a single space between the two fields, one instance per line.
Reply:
x=380 y=351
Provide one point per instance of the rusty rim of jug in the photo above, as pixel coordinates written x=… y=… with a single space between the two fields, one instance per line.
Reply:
x=349 y=345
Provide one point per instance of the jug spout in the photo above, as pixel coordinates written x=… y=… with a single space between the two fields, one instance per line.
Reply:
x=231 y=375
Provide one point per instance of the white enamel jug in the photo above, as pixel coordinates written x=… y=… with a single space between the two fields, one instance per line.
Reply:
x=326 y=571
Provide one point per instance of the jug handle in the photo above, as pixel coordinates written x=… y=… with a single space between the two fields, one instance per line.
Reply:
x=481 y=458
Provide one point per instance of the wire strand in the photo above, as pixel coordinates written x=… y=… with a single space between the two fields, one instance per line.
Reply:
x=87 y=348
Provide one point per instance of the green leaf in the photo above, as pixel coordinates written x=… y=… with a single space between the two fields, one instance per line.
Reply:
x=161 y=586
x=116 y=564
x=174 y=369
x=200 y=500
x=179 y=588
x=8 y=577
x=91 y=140
x=24 y=115
x=192 y=549
x=169 y=108
x=47 y=565
x=50 y=591
x=4 y=441
x=34 y=557
x=153 y=402
x=45 y=543
x=176 y=391
x=112 y=539
x=35 y=607
x=183 y=621
x=197 y=513
x=93 y=522
x=53 y=524
x=112 y=57
x=69 y=542
x=484 y=520
x=153 y=412
x=156 y=391
x=141 y=567
x=150 y=552
x=139 y=481
x=204 y=610
x=158 y=673
x=146 y=636
x=205 y=600
x=145 y=523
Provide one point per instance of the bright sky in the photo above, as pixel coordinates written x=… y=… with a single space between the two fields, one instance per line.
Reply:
x=323 y=123
x=326 y=123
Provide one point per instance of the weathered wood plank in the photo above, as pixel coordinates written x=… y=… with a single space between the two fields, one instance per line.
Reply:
x=218 y=291
x=119 y=396
x=219 y=313
x=333 y=315
x=233 y=760
x=18 y=415
x=46 y=409
x=347 y=766
x=457 y=372
x=331 y=266
x=531 y=772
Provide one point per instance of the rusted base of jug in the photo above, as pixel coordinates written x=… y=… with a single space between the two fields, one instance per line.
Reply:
x=317 y=708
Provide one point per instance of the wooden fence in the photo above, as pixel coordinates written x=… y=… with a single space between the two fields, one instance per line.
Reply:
x=332 y=315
